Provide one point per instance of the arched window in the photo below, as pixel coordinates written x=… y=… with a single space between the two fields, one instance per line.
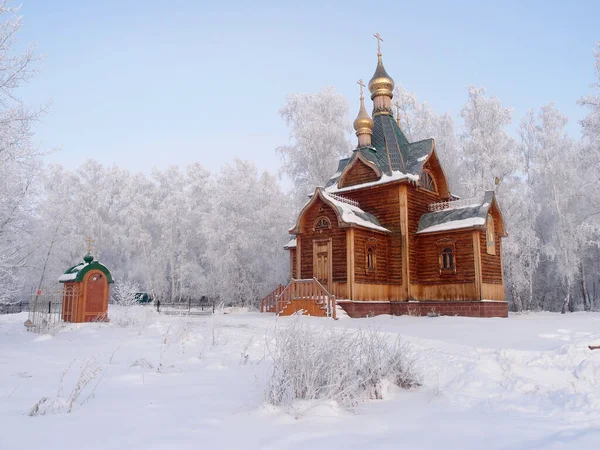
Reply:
x=489 y=235
x=371 y=255
x=322 y=223
x=447 y=259
x=447 y=256
x=370 y=258
x=426 y=181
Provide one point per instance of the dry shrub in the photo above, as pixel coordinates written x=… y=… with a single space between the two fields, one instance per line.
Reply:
x=345 y=366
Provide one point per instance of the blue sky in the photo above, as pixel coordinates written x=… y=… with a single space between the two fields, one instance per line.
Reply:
x=145 y=84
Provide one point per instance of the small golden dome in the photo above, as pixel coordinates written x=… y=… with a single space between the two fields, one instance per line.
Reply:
x=381 y=83
x=363 y=122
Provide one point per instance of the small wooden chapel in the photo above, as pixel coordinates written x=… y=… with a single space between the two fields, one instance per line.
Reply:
x=386 y=236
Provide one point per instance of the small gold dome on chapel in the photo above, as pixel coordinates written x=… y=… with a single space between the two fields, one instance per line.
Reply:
x=363 y=122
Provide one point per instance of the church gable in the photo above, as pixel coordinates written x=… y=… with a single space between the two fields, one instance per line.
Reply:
x=319 y=218
x=343 y=211
x=433 y=178
x=359 y=171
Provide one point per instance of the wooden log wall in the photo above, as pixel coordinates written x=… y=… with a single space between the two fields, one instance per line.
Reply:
x=358 y=174
x=308 y=235
x=418 y=202
x=363 y=239
x=382 y=202
x=428 y=268
x=491 y=265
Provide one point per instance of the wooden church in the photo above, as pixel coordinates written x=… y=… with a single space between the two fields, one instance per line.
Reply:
x=386 y=236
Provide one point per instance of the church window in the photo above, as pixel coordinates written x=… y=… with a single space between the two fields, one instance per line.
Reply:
x=489 y=235
x=370 y=254
x=426 y=181
x=322 y=223
x=447 y=256
x=447 y=259
x=370 y=258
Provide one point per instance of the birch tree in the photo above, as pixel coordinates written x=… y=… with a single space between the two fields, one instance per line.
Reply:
x=419 y=121
x=487 y=149
x=20 y=159
x=318 y=129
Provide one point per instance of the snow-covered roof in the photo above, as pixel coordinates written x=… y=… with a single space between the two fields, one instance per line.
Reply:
x=78 y=271
x=353 y=214
x=348 y=212
x=395 y=176
x=290 y=244
x=457 y=215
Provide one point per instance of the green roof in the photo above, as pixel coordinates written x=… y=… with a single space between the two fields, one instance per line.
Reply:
x=77 y=272
x=390 y=147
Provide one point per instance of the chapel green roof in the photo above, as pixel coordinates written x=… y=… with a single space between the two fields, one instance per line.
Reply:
x=77 y=272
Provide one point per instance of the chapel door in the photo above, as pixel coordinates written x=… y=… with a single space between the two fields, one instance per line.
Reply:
x=322 y=262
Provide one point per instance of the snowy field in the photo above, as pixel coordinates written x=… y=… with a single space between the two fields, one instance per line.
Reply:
x=527 y=382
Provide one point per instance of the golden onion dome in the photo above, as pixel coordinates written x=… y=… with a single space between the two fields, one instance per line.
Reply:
x=363 y=122
x=381 y=83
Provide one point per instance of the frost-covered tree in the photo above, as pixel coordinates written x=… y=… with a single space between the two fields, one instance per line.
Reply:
x=419 y=121
x=553 y=167
x=20 y=159
x=179 y=234
x=246 y=233
x=591 y=124
x=487 y=149
x=318 y=128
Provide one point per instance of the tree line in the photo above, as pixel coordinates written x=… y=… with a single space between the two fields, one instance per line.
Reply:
x=181 y=232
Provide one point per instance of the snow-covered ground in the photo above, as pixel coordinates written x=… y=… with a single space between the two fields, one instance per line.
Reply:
x=189 y=383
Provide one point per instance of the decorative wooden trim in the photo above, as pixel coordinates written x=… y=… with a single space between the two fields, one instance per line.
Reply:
x=321 y=228
x=350 y=262
x=490 y=247
x=298 y=258
x=428 y=172
x=477 y=262
x=433 y=160
x=403 y=199
x=501 y=261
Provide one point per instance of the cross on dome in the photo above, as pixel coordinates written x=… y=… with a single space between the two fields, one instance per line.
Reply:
x=362 y=85
x=379 y=41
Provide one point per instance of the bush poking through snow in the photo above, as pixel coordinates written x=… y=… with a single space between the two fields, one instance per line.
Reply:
x=123 y=293
x=344 y=366
x=89 y=371
x=129 y=313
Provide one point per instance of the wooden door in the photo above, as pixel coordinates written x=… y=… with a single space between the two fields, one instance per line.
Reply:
x=322 y=262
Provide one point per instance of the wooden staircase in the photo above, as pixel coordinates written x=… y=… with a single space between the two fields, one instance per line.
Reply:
x=308 y=297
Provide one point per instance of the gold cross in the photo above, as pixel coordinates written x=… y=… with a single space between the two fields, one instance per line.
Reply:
x=379 y=41
x=362 y=85
x=90 y=241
